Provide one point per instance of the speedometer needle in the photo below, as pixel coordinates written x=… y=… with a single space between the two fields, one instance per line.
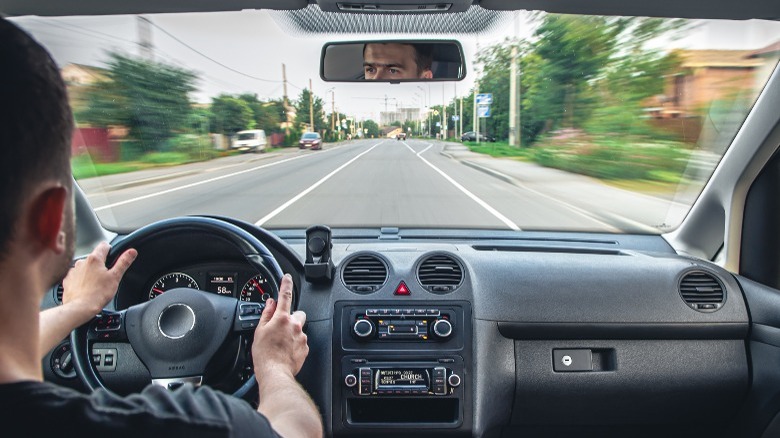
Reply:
x=257 y=286
x=157 y=291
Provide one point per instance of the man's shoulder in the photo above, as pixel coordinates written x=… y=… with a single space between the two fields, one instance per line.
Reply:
x=183 y=412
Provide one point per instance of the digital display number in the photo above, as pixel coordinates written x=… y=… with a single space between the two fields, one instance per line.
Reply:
x=222 y=283
x=402 y=377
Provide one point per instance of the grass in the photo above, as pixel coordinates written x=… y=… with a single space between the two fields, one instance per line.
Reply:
x=499 y=150
x=82 y=166
x=606 y=158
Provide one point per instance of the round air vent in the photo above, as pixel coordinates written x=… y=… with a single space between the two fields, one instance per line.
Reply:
x=702 y=291
x=440 y=273
x=364 y=274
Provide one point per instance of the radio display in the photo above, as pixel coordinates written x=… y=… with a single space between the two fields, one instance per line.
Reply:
x=401 y=377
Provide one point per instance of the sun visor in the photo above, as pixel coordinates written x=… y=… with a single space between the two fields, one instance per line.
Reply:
x=394 y=6
x=715 y=9
x=117 y=7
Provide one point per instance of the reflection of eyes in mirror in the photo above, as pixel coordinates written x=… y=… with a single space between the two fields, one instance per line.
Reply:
x=389 y=61
x=392 y=60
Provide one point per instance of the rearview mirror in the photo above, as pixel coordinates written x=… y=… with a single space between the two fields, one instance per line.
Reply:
x=392 y=61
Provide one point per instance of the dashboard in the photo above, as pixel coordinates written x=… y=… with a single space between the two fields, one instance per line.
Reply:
x=483 y=334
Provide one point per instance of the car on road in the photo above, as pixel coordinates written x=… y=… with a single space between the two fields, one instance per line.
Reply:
x=400 y=136
x=310 y=140
x=252 y=140
x=616 y=276
x=472 y=136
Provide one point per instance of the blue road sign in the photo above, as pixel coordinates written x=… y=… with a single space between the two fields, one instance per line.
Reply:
x=483 y=111
x=485 y=99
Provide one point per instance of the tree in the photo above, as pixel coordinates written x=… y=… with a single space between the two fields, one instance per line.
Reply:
x=372 y=128
x=266 y=115
x=230 y=115
x=150 y=98
x=302 y=111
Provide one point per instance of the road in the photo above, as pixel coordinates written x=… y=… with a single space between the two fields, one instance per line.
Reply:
x=362 y=183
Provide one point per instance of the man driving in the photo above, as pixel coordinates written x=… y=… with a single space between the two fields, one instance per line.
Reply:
x=390 y=61
x=37 y=238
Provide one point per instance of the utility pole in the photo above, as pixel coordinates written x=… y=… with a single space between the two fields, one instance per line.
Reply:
x=513 y=97
x=311 y=106
x=146 y=47
x=286 y=104
x=476 y=119
x=443 y=114
x=460 y=118
x=332 y=110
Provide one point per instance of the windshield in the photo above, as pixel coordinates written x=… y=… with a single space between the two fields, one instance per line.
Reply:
x=563 y=122
x=309 y=136
x=247 y=136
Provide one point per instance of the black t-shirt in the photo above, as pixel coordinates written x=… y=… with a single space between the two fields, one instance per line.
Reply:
x=43 y=409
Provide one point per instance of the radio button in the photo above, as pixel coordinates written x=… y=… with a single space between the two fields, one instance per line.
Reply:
x=350 y=380
x=372 y=312
x=454 y=380
x=442 y=328
x=432 y=312
x=407 y=312
x=419 y=312
x=395 y=312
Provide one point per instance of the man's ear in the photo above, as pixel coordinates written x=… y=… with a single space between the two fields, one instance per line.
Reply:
x=46 y=218
x=426 y=74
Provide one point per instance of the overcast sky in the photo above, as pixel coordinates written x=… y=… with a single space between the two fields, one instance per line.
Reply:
x=235 y=52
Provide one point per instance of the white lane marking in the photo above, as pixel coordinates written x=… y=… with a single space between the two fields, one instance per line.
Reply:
x=206 y=181
x=281 y=208
x=465 y=191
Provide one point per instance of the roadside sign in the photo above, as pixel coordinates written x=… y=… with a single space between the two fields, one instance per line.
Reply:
x=483 y=111
x=485 y=99
x=455 y=118
x=438 y=123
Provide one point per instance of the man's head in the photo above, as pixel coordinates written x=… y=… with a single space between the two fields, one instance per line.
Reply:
x=36 y=124
x=389 y=61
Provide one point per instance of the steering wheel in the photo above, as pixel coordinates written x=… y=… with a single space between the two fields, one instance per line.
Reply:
x=178 y=333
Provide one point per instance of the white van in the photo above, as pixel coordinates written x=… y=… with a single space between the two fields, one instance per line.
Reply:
x=252 y=140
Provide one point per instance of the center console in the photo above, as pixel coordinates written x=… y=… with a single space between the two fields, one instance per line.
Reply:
x=402 y=368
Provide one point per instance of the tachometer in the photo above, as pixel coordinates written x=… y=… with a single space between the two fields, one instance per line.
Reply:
x=257 y=289
x=172 y=281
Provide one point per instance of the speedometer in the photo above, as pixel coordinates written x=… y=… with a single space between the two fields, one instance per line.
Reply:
x=171 y=281
x=257 y=289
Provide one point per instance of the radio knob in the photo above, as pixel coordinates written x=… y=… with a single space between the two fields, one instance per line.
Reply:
x=453 y=380
x=350 y=380
x=442 y=328
x=363 y=328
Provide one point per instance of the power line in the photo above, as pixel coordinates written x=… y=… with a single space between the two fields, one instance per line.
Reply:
x=210 y=58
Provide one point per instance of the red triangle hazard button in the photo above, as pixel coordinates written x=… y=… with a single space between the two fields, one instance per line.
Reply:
x=402 y=289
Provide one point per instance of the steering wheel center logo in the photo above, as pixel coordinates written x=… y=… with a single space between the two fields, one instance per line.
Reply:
x=176 y=321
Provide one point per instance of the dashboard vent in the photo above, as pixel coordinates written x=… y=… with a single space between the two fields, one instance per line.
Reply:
x=440 y=273
x=58 y=294
x=364 y=274
x=702 y=291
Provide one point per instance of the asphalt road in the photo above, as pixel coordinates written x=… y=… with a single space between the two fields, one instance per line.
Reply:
x=365 y=183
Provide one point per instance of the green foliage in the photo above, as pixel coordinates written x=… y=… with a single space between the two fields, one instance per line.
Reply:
x=266 y=115
x=230 y=114
x=150 y=98
x=373 y=129
x=576 y=71
x=165 y=158
x=302 y=116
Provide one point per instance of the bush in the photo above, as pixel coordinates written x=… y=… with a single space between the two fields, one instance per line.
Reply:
x=165 y=158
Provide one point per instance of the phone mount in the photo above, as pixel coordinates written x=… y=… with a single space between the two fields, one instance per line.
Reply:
x=319 y=263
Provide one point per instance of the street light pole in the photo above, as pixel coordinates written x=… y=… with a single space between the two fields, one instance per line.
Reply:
x=311 y=106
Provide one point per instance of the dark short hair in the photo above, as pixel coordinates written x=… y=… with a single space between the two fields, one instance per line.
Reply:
x=36 y=124
x=423 y=54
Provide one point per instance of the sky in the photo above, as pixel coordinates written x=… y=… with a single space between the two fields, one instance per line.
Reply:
x=237 y=52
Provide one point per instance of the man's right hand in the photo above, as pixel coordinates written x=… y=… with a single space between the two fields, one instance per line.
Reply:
x=280 y=344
